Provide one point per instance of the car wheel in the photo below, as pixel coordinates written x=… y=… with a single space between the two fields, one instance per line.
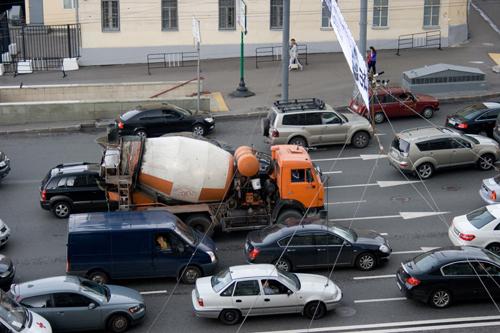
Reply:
x=360 y=139
x=61 y=209
x=440 y=298
x=486 y=162
x=495 y=248
x=230 y=316
x=298 y=140
x=425 y=170
x=428 y=113
x=190 y=274
x=201 y=223
x=141 y=133
x=98 y=277
x=283 y=264
x=118 y=323
x=366 y=261
x=198 y=130
x=288 y=214
x=379 y=118
x=314 y=310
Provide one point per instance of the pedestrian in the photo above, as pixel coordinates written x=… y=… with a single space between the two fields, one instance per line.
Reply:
x=372 y=60
x=294 y=53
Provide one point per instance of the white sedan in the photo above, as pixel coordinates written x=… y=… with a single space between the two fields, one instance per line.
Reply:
x=481 y=227
x=262 y=289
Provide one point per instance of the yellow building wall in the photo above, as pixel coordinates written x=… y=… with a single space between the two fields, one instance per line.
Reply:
x=53 y=12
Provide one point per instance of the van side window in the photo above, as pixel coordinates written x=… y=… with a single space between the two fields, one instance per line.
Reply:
x=162 y=242
x=298 y=175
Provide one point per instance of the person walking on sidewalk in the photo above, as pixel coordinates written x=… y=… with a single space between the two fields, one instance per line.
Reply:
x=372 y=60
x=294 y=54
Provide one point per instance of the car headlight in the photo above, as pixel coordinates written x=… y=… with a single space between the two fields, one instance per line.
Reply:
x=384 y=249
x=2 y=164
x=136 y=308
x=213 y=258
x=209 y=120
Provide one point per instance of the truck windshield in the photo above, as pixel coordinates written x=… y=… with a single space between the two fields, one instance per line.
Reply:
x=12 y=313
x=221 y=280
x=186 y=232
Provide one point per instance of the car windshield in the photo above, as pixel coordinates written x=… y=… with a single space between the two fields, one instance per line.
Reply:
x=95 y=289
x=186 y=232
x=470 y=112
x=290 y=278
x=480 y=217
x=345 y=233
x=221 y=280
x=425 y=262
x=401 y=145
x=470 y=138
x=129 y=114
x=12 y=313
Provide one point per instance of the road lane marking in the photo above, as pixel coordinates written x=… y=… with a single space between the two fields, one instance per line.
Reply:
x=486 y=18
x=384 y=234
x=330 y=172
x=433 y=327
x=422 y=250
x=360 y=157
x=346 y=202
x=380 y=183
x=153 y=292
x=402 y=215
x=374 y=277
x=413 y=324
x=375 y=300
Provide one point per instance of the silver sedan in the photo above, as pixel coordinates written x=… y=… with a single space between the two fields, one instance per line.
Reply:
x=490 y=190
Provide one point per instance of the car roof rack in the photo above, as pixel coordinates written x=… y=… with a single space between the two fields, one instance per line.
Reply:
x=305 y=104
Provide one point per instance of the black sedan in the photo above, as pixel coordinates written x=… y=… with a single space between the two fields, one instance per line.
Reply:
x=4 y=165
x=442 y=276
x=315 y=243
x=475 y=119
x=7 y=272
x=157 y=120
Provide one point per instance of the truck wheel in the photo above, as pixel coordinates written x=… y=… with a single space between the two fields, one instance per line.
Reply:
x=288 y=214
x=200 y=222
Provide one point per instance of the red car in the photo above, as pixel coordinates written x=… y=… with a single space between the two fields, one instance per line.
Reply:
x=396 y=102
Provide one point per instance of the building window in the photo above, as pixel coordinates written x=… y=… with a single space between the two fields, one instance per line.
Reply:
x=169 y=17
x=380 y=12
x=325 y=16
x=69 y=4
x=276 y=14
x=110 y=15
x=227 y=14
x=431 y=13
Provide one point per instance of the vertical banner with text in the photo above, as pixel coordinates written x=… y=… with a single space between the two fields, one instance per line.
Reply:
x=355 y=59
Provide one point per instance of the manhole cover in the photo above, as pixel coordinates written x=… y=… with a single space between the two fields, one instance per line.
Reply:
x=345 y=311
x=450 y=188
x=400 y=198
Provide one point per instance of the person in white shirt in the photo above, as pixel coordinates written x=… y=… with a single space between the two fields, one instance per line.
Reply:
x=294 y=53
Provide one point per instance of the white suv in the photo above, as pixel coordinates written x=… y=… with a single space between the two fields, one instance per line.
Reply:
x=312 y=122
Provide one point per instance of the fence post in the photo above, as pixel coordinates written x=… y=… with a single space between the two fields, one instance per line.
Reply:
x=24 y=42
x=68 y=29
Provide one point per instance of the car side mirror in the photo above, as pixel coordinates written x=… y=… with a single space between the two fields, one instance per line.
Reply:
x=289 y=292
x=92 y=306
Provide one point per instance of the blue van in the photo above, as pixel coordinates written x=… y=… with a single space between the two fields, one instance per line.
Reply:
x=137 y=244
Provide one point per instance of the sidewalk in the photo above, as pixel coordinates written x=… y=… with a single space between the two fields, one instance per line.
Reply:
x=327 y=76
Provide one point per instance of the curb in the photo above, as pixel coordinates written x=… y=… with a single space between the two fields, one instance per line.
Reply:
x=48 y=130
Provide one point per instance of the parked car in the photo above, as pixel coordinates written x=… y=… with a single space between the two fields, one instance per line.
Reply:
x=156 y=120
x=311 y=122
x=7 y=272
x=475 y=119
x=71 y=303
x=263 y=290
x=16 y=318
x=137 y=244
x=443 y=276
x=424 y=150
x=4 y=165
x=73 y=187
x=396 y=102
x=481 y=227
x=4 y=233
x=315 y=243
x=490 y=190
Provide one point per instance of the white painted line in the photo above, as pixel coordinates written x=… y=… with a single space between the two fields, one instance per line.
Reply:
x=486 y=18
x=380 y=134
x=330 y=172
x=372 y=156
x=414 y=323
x=353 y=185
x=434 y=327
x=375 y=300
x=154 y=292
x=416 y=215
x=346 y=202
x=372 y=277
x=402 y=215
x=380 y=183
x=384 y=234
x=365 y=218
x=360 y=157
x=476 y=62
x=408 y=252
x=427 y=249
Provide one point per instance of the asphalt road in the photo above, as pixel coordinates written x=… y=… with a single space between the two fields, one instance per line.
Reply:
x=38 y=239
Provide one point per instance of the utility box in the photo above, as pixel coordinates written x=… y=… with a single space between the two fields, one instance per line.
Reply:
x=444 y=78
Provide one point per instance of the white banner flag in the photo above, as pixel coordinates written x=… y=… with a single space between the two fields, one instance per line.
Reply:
x=355 y=59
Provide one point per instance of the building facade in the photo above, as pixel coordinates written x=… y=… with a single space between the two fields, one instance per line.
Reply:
x=125 y=31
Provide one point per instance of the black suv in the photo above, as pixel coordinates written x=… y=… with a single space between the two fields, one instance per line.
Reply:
x=161 y=119
x=4 y=165
x=72 y=187
x=476 y=118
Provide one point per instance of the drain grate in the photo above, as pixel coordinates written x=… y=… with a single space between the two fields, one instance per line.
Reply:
x=400 y=198
x=450 y=188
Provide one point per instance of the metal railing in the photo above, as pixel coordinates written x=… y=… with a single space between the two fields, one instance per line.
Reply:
x=274 y=53
x=420 y=39
x=174 y=59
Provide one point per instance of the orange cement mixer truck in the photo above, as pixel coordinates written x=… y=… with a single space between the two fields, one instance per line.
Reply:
x=207 y=186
